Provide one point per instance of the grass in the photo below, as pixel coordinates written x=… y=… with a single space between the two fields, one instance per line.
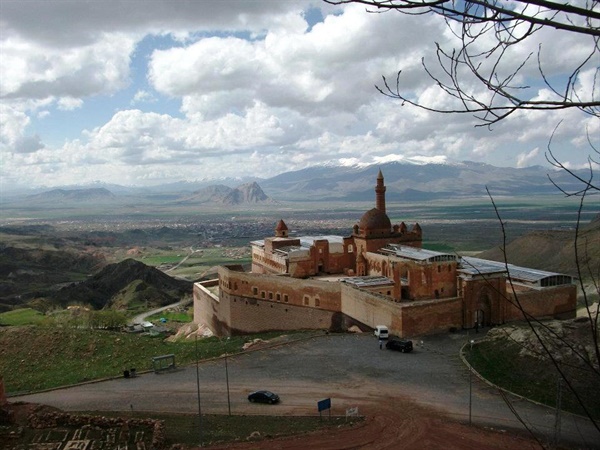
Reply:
x=185 y=429
x=183 y=317
x=501 y=363
x=34 y=358
x=19 y=317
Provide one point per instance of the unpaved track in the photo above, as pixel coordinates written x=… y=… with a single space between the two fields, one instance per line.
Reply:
x=417 y=400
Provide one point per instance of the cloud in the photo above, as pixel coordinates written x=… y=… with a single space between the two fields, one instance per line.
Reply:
x=523 y=159
x=247 y=88
x=142 y=96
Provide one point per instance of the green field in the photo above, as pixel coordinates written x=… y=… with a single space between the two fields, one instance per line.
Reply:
x=503 y=364
x=33 y=358
x=24 y=316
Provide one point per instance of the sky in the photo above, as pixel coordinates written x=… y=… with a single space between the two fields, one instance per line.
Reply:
x=138 y=92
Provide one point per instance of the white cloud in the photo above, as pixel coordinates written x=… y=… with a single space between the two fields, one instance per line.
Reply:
x=223 y=83
x=523 y=159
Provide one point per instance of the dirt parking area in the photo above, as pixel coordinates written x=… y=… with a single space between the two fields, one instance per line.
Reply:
x=419 y=400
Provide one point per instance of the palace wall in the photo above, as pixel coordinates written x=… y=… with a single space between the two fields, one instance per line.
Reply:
x=431 y=316
x=251 y=303
x=556 y=302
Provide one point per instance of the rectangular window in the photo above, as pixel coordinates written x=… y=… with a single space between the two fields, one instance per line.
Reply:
x=285 y=298
x=306 y=300
x=254 y=290
x=270 y=296
x=262 y=294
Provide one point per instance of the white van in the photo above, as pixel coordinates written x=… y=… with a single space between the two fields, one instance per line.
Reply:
x=381 y=331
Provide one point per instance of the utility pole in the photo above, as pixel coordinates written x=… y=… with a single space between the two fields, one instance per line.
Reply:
x=198 y=390
x=471 y=385
x=227 y=380
x=557 y=417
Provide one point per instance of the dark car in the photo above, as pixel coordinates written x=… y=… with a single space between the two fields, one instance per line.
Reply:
x=263 y=397
x=399 y=345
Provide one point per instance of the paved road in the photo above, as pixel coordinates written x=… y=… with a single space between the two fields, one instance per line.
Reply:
x=350 y=369
x=142 y=317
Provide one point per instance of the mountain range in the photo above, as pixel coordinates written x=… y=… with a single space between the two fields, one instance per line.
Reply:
x=404 y=181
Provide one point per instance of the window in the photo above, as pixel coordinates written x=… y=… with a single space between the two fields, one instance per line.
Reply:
x=285 y=298
x=306 y=300
x=350 y=249
x=317 y=302
x=278 y=296
x=439 y=269
x=262 y=294
x=270 y=296
x=254 y=290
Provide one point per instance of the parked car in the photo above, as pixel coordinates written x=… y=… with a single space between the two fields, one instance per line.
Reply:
x=263 y=397
x=399 y=345
x=381 y=331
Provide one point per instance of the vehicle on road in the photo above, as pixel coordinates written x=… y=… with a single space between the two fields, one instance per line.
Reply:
x=263 y=397
x=399 y=345
x=381 y=331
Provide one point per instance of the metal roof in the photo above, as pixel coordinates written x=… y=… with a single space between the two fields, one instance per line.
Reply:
x=418 y=254
x=476 y=266
x=308 y=241
x=367 y=281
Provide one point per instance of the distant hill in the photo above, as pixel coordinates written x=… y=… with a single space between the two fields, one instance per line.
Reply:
x=553 y=250
x=209 y=194
x=412 y=182
x=246 y=194
x=123 y=283
x=404 y=181
x=74 y=195
x=29 y=273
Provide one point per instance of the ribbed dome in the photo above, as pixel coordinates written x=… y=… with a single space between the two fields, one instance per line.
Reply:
x=375 y=219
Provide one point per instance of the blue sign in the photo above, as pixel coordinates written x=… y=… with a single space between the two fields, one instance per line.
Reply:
x=324 y=404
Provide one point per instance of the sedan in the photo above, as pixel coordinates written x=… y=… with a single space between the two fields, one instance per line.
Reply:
x=263 y=397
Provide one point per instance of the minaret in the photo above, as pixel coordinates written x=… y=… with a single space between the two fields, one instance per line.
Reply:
x=281 y=230
x=380 y=193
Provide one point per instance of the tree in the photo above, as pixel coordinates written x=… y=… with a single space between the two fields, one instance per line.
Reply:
x=487 y=30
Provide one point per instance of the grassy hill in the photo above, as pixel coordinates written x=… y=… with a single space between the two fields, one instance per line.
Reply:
x=80 y=355
x=553 y=250
x=125 y=284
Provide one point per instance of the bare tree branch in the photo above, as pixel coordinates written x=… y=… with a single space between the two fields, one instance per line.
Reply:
x=509 y=26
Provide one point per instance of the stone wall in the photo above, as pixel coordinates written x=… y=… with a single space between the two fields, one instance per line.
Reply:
x=371 y=309
x=431 y=316
x=53 y=420
x=556 y=302
x=251 y=303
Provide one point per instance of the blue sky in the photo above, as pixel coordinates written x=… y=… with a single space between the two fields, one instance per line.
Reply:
x=144 y=93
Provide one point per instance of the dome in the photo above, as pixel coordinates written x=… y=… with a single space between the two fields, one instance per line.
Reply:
x=375 y=219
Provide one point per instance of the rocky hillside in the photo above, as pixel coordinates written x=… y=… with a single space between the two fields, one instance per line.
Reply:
x=26 y=274
x=246 y=194
x=553 y=250
x=119 y=285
